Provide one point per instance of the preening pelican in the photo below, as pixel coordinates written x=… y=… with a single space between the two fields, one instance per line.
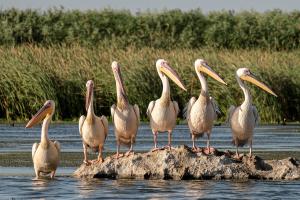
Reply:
x=201 y=112
x=126 y=118
x=243 y=118
x=163 y=112
x=93 y=129
x=45 y=155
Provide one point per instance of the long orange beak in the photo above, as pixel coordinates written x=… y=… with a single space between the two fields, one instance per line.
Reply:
x=88 y=97
x=39 y=116
x=119 y=79
x=172 y=74
x=252 y=79
x=206 y=69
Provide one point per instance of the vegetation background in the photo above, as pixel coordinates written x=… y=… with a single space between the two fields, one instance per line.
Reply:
x=51 y=55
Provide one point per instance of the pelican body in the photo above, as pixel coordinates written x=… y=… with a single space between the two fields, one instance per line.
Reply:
x=243 y=118
x=46 y=154
x=93 y=129
x=126 y=118
x=201 y=112
x=163 y=112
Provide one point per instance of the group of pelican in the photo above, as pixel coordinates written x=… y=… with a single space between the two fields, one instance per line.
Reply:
x=200 y=114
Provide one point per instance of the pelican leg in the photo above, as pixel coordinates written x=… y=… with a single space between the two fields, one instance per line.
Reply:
x=250 y=149
x=208 y=149
x=52 y=174
x=194 y=148
x=37 y=175
x=130 y=151
x=118 y=155
x=155 y=141
x=237 y=151
x=100 y=158
x=85 y=159
x=169 y=146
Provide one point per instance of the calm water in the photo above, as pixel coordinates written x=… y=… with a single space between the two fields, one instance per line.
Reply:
x=17 y=182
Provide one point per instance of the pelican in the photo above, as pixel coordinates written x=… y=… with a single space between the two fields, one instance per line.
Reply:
x=126 y=118
x=92 y=129
x=163 y=112
x=243 y=118
x=201 y=112
x=45 y=155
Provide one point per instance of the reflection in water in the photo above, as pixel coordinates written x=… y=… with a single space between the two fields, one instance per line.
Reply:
x=87 y=187
x=20 y=187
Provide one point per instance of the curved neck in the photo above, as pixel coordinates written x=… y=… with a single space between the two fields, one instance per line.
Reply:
x=165 y=96
x=204 y=88
x=90 y=112
x=248 y=100
x=45 y=126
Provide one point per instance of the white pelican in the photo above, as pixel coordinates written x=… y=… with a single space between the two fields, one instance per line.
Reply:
x=126 y=118
x=45 y=155
x=93 y=129
x=163 y=112
x=201 y=112
x=243 y=118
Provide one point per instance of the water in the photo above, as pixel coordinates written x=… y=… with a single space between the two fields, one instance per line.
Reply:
x=18 y=183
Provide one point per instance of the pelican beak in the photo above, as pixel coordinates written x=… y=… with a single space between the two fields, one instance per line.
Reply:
x=252 y=79
x=88 y=97
x=39 y=116
x=206 y=69
x=119 y=79
x=172 y=74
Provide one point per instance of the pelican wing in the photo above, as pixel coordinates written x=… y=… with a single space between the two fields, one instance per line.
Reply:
x=150 y=108
x=215 y=106
x=230 y=113
x=176 y=107
x=105 y=125
x=34 y=148
x=112 y=111
x=188 y=107
x=81 y=121
x=57 y=145
x=256 y=115
x=137 y=112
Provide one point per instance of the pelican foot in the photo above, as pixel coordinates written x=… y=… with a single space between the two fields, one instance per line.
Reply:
x=98 y=161
x=155 y=149
x=168 y=147
x=129 y=153
x=209 y=150
x=118 y=155
x=52 y=174
x=87 y=162
x=196 y=149
x=238 y=157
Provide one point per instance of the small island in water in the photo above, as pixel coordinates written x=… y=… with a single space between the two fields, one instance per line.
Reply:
x=181 y=163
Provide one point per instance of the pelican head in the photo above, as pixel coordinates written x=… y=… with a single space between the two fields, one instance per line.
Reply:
x=246 y=75
x=202 y=66
x=47 y=109
x=163 y=68
x=117 y=74
x=89 y=92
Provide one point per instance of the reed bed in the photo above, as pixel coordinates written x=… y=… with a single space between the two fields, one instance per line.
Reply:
x=30 y=74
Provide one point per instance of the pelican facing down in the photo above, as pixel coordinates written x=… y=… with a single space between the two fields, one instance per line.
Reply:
x=163 y=112
x=92 y=129
x=126 y=118
x=45 y=155
x=243 y=118
x=201 y=112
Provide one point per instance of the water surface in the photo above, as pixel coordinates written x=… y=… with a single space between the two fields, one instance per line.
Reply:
x=17 y=182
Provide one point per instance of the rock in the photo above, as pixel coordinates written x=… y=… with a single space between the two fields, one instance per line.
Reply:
x=181 y=163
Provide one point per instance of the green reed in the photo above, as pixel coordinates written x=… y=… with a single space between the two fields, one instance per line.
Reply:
x=30 y=75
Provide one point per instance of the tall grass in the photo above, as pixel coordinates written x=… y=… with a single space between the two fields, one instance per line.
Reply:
x=169 y=29
x=29 y=75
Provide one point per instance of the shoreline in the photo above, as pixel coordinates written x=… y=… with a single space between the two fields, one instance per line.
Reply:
x=74 y=159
